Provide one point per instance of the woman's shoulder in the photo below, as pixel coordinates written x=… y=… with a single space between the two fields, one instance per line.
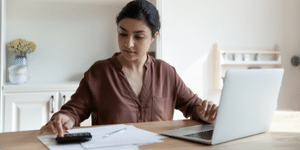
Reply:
x=100 y=67
x=162 y=64
x=101 y=64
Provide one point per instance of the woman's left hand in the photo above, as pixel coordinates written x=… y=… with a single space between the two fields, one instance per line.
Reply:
x=207 y=111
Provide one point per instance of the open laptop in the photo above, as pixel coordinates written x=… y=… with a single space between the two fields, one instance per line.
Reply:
x=248 y=100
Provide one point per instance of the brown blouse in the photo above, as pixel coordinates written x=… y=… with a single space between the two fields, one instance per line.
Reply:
x=105 y=93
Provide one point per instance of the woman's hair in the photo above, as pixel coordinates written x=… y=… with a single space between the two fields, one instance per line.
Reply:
x=143 y=11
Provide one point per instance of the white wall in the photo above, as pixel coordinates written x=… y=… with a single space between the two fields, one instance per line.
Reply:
x=70 y=37
x=192 y=27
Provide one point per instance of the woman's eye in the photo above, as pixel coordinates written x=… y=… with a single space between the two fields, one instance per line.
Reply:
x=139 y=37
x=122 y=34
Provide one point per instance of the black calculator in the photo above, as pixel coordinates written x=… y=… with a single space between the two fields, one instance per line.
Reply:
x=74 y=138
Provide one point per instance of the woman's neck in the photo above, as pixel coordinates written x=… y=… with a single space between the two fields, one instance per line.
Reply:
x=137 y=65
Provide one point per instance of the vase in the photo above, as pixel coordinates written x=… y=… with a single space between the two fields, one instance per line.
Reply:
x=18 y=72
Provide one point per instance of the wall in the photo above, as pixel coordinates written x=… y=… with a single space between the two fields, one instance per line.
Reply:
x=289 y=98
x=191 y=28
x=70 y=37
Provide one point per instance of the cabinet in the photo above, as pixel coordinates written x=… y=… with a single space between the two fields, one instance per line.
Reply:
x=30 y=106
x=28 y=111
x=226 y=59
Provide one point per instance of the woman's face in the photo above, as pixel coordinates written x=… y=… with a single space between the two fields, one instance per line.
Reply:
x=134 y=39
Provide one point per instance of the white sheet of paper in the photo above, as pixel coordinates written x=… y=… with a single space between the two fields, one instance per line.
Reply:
x=49 y=141
x=132 y=135
x=128 y=140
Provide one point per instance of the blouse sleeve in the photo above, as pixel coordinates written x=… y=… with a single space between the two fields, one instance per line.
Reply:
x=186 y=101
x=79 y=107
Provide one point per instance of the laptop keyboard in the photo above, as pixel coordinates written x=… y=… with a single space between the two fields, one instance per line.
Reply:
x=207 y=135
x=207 y=127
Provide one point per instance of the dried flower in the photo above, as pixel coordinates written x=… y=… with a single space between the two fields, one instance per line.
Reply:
x=21 y=47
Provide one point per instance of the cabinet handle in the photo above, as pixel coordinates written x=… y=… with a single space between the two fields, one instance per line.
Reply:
x=64 y=100
x=52 y=104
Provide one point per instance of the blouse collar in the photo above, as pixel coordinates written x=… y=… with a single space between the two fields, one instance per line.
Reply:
x=118 y=65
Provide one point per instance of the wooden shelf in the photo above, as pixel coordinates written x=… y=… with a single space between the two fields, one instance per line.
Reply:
x=277 y=62
x=225 y=60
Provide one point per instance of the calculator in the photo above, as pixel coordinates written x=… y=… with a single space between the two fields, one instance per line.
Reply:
x=74 y=138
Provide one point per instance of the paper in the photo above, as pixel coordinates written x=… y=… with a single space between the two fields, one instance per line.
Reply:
x=128 y=140
x=49 y=141
x=132 y=136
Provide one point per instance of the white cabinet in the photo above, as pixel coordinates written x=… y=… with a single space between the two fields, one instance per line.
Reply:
x=32 y=110
x=28 y=111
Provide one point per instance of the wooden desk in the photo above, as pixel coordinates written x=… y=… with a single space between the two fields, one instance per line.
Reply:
x=284 y=134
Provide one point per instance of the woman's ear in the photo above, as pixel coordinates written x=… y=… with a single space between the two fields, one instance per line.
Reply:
x=155 y=36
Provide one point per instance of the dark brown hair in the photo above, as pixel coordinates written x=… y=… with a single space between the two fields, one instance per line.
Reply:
x=143 y=11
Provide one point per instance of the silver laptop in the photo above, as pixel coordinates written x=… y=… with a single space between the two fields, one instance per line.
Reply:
x=248 y=100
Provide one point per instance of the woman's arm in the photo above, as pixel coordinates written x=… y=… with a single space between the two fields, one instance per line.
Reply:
x=72 y=113
x=191 y=105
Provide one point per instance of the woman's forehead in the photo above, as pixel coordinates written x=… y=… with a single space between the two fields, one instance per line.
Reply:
x=133 y=25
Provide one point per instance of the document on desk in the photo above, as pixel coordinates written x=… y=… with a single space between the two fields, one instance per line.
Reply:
x=130 y=139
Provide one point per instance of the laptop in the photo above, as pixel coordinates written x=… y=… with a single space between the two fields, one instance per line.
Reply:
x=248 y=101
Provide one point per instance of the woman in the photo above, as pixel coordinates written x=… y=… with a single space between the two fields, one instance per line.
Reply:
x=131 y=86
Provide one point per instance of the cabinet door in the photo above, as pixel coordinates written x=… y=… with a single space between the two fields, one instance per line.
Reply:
x=65 y=97
x=28 y=111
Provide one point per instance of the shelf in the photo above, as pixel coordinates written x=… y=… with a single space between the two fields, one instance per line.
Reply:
x=250 y=52
x=38 y=87
x=243 y=59
x=94 y=2
x=251 y=63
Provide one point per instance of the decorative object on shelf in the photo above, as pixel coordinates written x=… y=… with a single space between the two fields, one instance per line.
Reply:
x=18 y=75
x=295 y=61
x=21 y=47
x=238 y=57
x=18 y=72
x=228 y=57
x=247 y=57
x=259 y=57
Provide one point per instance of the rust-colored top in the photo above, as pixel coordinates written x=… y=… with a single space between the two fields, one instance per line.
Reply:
x=106 y=93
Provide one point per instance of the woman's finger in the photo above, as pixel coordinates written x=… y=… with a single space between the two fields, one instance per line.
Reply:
x=52 y=127
x=213 y=111
x=203 y=106
x=59 y=127
x=208 y=109
x=43 y=129
x=68 y=125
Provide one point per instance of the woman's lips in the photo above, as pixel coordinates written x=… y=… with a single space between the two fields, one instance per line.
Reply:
x=129 y=51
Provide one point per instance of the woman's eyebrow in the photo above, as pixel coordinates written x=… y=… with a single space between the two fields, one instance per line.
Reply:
x=133 y=32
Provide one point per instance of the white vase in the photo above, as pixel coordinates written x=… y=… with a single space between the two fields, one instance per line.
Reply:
x=18 y=73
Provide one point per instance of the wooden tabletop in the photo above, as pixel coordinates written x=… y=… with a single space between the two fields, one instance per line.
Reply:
x=284 y=134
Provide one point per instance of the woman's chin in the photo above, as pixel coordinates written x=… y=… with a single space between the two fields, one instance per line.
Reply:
x=129 y=55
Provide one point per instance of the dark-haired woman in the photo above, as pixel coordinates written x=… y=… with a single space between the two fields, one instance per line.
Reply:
x=131 y=86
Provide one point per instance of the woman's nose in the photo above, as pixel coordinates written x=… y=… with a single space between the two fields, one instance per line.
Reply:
x=129 y=42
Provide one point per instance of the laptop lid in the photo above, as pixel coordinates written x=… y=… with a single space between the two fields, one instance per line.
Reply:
x=247 y=103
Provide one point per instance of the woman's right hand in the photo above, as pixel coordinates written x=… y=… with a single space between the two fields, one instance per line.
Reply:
x=59 y=124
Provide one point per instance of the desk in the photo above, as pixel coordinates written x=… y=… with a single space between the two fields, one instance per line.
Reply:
x=284 y=134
